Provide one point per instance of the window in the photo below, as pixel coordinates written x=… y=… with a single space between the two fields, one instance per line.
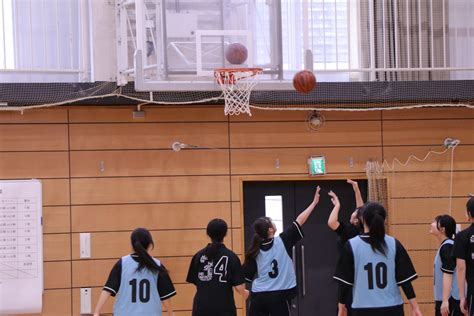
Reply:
x=44 y=41
x=274 y=210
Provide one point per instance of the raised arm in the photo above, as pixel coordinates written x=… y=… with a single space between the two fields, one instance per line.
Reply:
x=358 y=196
x=301 y=219
x=333 y=220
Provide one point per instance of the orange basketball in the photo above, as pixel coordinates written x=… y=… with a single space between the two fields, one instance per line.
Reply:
x=236 y=53
x=304 y=81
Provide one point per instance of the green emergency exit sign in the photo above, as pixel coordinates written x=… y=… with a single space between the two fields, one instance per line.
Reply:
x=317 y=165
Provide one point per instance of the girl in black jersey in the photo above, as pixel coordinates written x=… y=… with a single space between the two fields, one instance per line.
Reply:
x=446 y=292
x=346 y=231
x=216 y=271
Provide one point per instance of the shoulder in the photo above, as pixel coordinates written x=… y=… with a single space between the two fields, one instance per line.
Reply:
x=447 y=244
x=466 y=233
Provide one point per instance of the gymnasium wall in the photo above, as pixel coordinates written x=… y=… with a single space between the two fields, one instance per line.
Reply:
x=104 y=172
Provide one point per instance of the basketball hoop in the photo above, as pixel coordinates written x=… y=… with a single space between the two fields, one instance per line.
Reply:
x=237 y=84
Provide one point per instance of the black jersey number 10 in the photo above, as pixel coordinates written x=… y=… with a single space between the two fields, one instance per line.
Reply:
x=380 y=275
x=143 y=289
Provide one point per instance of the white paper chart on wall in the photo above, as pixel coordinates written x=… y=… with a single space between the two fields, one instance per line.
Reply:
x=21 y=246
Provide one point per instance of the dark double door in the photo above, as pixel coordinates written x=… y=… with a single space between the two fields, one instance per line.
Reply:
x=315 y=257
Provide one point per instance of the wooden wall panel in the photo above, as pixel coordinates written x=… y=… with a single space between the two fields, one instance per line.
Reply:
x=427 y=132
x=57 y=275
x=27 y=165
x=236 y=215
x=152 y=114
x=56 y=219
x=293 y=160
x=168 y=243
x=31 y=137
x=151 y=216
x=462 y=158
x=430 y=184
x=287 y=134
x=427 y=309
x=36 y=116
x=56 y=192
x=302 y=116
x=150 y=190
x=237 y=236
x=427 y=114
x=423 y=260
x=414 y=237
x=56 y=247
x=135 y=163
x=146 y=135
x=424 y=210
x=424 y=289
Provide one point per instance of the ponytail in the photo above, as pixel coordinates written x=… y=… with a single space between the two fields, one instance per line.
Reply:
x=260 y=227
x=141 y=239
x=374 y=216
x=254 y=248
x=216 y=230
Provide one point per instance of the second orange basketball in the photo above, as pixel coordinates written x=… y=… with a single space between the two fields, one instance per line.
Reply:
x=304 y=81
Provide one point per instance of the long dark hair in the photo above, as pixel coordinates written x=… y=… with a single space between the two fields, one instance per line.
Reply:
x=260 y=228
x=216 y=230
x=470 y=206
x=448 y=223
x=374 y=215
x=141 y=239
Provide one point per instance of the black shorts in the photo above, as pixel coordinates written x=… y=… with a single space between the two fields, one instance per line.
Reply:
x=385 y=311
x=454 y=309
x=268 y=304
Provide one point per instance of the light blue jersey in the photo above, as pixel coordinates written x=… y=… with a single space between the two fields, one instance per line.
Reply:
x=275 y=269
x=438 y=275
x=138 y=292
x=375 y=282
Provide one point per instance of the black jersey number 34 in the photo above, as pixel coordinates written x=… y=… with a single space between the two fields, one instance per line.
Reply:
x=274 y=273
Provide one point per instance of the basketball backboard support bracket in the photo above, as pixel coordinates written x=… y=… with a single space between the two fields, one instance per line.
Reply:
x=142 y=84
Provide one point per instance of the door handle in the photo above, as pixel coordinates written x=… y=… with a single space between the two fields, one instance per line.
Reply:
x=293 y=254
x=303 y=270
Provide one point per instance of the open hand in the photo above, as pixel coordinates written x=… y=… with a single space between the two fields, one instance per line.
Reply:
x=353 y=183
x=334 y=198
x=316 y=195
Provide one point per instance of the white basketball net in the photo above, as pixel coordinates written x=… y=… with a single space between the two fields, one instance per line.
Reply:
x=236 y=85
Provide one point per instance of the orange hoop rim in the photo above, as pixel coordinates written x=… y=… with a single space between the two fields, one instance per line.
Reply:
x=255 y=70
x=225 y=76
